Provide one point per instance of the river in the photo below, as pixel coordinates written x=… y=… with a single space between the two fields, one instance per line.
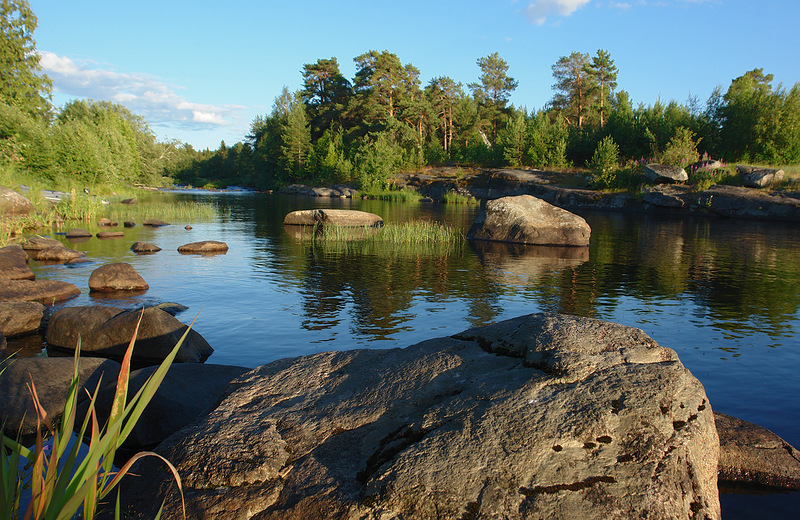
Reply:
x=724 y=294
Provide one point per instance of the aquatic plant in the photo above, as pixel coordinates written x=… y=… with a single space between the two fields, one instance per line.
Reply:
x=63 y=477
x=166 y=210
x=404 y=195
x=452 y=197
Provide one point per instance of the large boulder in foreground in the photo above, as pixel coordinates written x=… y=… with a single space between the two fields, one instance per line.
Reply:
x=13 y=204
x=542 y=416
x=661 y=173
x=14 y=263
x=106 y=332
x=52 y=377
x=526 y=219
x=333 y=217
x=118 y=276
x=42 y=291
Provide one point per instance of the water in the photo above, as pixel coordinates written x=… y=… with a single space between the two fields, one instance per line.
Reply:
x=724 y=294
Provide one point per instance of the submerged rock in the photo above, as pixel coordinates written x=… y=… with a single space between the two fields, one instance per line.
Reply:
x=542 y=416
x=526 y=219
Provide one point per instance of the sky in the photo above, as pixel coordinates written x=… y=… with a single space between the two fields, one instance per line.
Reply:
x=201 y=72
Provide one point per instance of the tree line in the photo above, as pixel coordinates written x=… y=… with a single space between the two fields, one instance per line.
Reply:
x=363 y=129
x=383 y=120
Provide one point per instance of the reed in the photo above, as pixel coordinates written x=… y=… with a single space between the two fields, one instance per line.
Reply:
x=416 y=238
x=64 y=478
x=183 y=211
x=452 y=197
x=404 y=195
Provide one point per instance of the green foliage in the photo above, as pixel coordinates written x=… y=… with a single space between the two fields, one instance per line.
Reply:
x=493 y=91
x=681 y=149
x=605 y=163
x=377 y=158
x=66 y=482
x=394 y=195
x=452 y=197
x=22 y=83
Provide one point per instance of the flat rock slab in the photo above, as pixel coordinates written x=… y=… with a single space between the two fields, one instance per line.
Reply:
x=14 y=264
x=543 y=416
x=52 y=377
x=107 y=222
x=333 y=217
x=144 y=247
x=18 y=318
x=751 y=454
x=526 y=219
x=119 y=276
x=106 y=331
x=42 y=291
x=204 y=246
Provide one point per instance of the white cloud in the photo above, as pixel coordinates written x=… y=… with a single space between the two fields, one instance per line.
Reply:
x=539 y=10
x=143 y=94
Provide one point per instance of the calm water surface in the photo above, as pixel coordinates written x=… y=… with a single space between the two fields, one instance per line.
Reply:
x=724 y=294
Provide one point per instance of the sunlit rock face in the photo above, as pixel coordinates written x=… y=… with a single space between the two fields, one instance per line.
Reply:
x=542 y=416
x=525 y=219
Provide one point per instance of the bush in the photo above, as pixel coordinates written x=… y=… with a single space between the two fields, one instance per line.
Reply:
x=605 y=163
x=681 y=149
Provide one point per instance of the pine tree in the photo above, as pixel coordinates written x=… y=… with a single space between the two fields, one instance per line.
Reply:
x=603 y=74
x=494 y=89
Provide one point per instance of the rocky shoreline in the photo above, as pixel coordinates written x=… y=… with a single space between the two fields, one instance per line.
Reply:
x=568 y=191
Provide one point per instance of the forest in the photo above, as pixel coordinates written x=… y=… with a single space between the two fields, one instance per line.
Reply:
x=384 y=120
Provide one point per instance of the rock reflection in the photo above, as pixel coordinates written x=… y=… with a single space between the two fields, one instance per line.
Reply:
x=520 y=264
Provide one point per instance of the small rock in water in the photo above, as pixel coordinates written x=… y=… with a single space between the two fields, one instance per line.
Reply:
x=187 y=228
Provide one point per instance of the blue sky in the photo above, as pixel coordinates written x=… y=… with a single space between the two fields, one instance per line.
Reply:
x=201 y=71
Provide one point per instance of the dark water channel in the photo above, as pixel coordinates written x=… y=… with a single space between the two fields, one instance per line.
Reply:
x=724 y=294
